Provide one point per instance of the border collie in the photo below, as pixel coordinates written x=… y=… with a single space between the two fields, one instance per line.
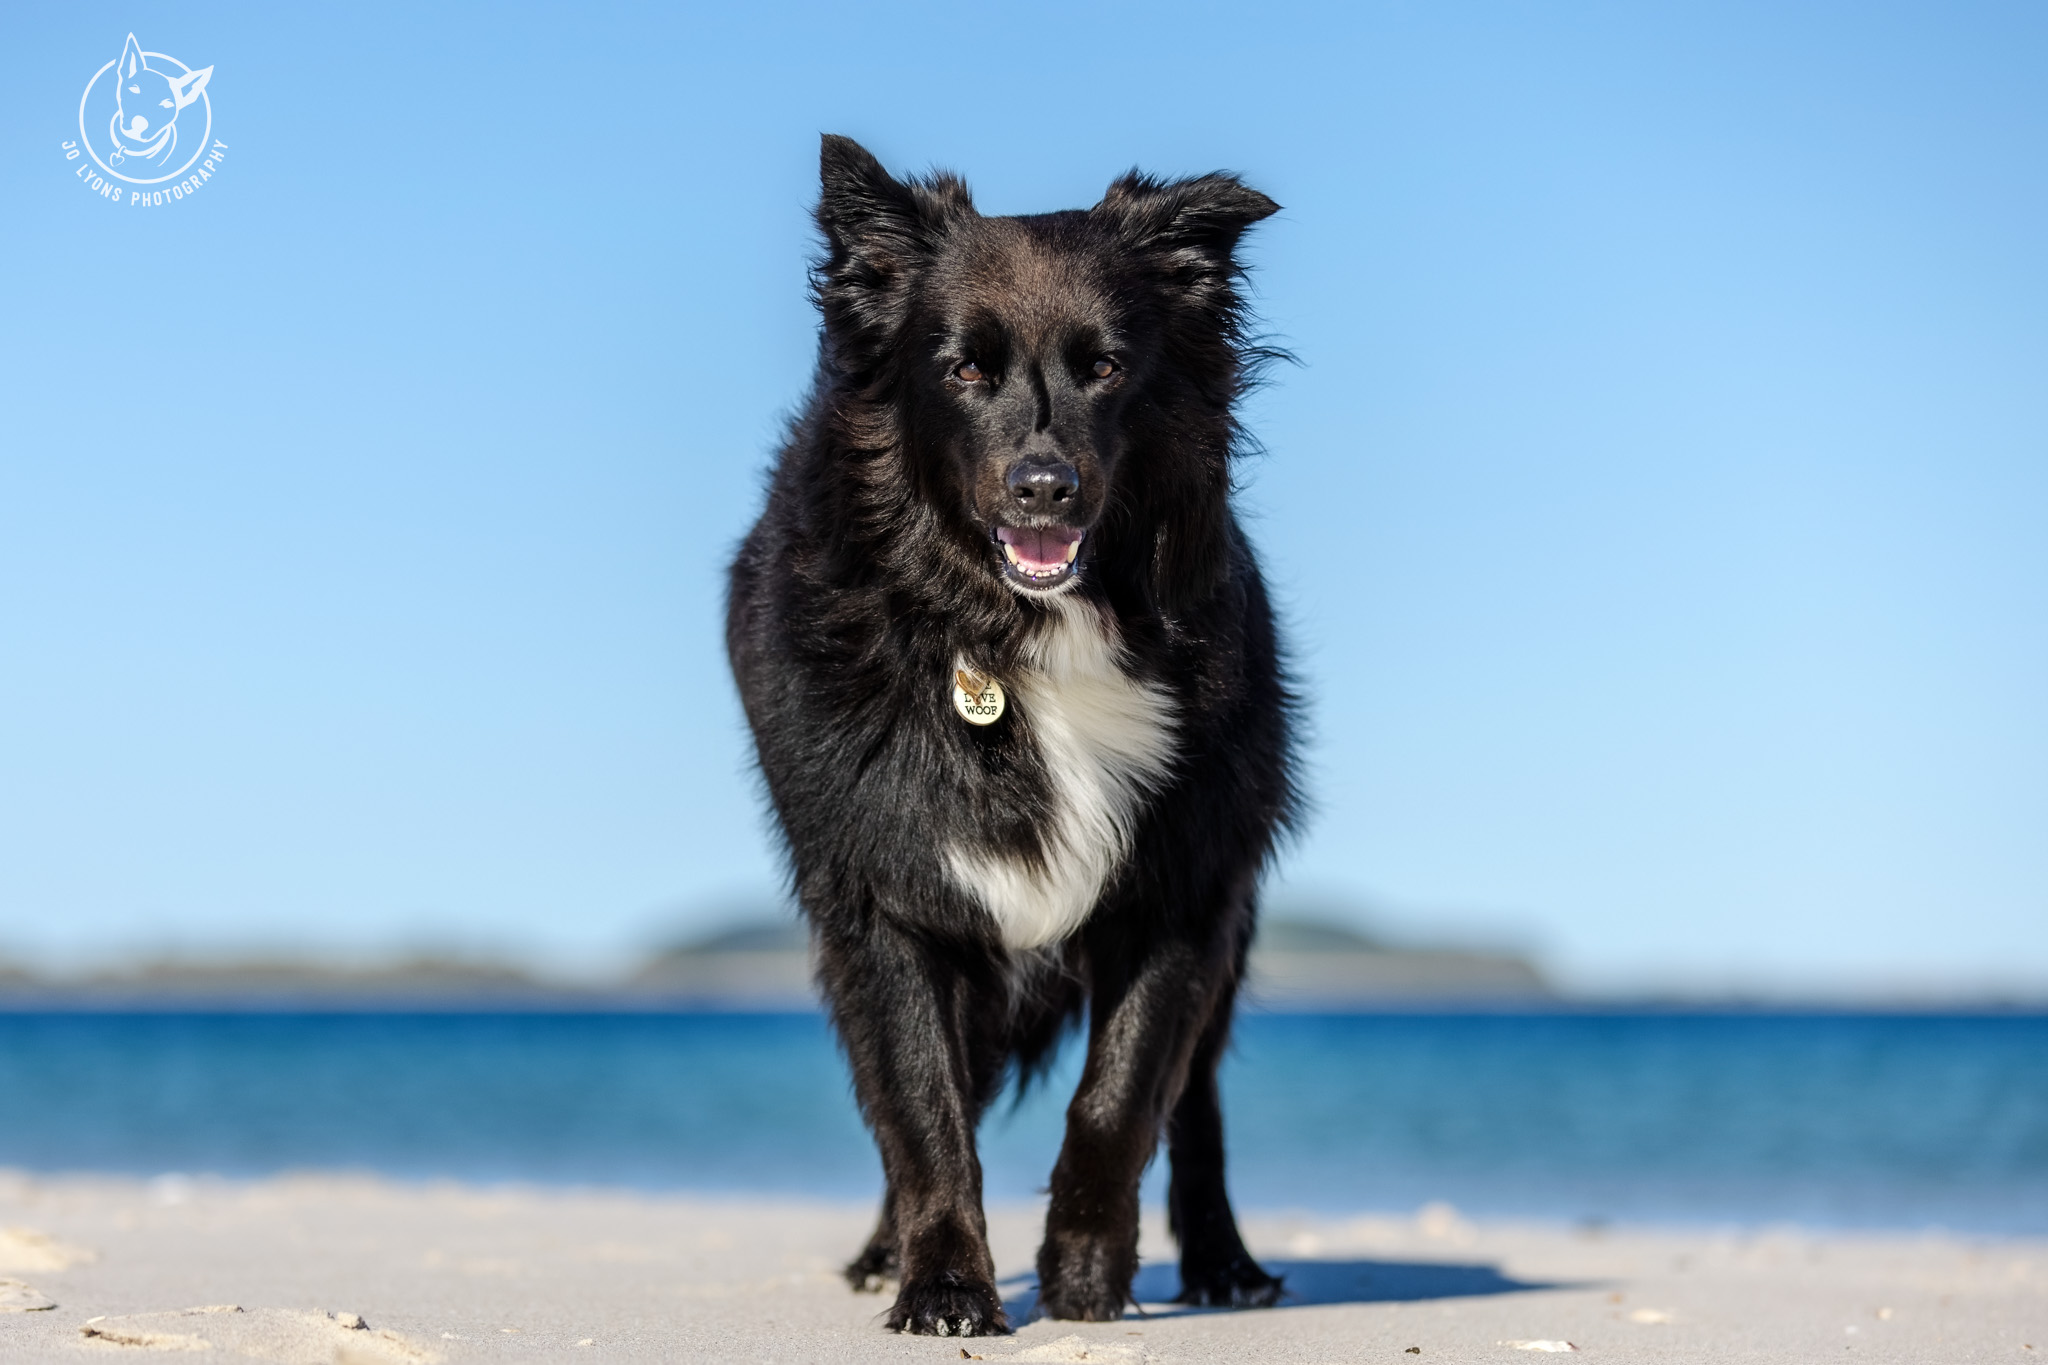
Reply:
x=1019 y=707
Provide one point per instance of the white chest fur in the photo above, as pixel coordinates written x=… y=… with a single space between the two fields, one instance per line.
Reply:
x=1106 y=741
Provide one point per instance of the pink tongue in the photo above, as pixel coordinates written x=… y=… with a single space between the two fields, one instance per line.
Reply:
x=1038 y=549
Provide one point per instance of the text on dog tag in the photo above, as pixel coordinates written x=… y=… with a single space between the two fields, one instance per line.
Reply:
x=978 y=700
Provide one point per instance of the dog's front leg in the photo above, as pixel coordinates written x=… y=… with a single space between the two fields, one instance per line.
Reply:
x=1139 y=1042
x=903 y=1020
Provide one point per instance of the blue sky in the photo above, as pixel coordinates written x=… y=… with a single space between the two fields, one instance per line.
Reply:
x=1658 y=509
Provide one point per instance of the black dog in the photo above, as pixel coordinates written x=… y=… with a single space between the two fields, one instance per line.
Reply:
x=1018 y=702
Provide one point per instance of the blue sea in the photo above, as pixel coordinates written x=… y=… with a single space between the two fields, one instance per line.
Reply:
x=1868 y=1120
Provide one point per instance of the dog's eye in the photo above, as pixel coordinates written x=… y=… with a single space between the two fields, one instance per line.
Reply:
x=1103 y=368
x=967 y=373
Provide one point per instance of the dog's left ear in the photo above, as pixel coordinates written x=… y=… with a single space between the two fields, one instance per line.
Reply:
x=1187 y=232
x=1191 y=222
x=186 y=88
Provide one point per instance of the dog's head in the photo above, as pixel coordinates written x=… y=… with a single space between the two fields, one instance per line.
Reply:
x=148 y=101
x=1040 y=368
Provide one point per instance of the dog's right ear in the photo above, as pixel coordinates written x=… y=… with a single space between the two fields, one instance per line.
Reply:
x=860 y=205
x=131 y=60
x=879 y=232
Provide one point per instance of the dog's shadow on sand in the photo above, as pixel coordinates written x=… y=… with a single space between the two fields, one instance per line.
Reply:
x=1309 y=1283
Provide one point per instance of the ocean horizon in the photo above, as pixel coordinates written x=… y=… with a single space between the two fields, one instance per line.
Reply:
x=1824 y=1118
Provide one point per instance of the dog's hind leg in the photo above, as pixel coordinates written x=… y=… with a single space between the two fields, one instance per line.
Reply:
x=877 y=1261
x=1215 y=1269
x=906 y=1019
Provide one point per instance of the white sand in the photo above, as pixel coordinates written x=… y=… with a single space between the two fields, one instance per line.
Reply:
x=272 y=1270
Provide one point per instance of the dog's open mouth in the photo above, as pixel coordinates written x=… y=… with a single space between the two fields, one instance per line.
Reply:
x=1039 y=558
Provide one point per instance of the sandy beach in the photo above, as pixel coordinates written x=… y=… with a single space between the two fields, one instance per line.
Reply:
x=362 y=1271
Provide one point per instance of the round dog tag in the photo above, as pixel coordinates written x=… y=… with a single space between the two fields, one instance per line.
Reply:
x=978 y=700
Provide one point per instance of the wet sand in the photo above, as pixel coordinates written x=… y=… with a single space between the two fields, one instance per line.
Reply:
x=369 y=1272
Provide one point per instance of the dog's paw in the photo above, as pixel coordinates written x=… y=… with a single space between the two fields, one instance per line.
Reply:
x=1080 y=1280
x=950 y=1306
x=1241 y=1283
x=1072 y=1302
x=870 y=1270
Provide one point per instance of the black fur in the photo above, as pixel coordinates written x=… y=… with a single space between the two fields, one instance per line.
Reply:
x=959 y=355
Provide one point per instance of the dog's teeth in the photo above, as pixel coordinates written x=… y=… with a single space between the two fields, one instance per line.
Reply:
x=1073 y=548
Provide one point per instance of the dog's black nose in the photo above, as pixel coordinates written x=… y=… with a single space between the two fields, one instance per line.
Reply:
x=1040 y=487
